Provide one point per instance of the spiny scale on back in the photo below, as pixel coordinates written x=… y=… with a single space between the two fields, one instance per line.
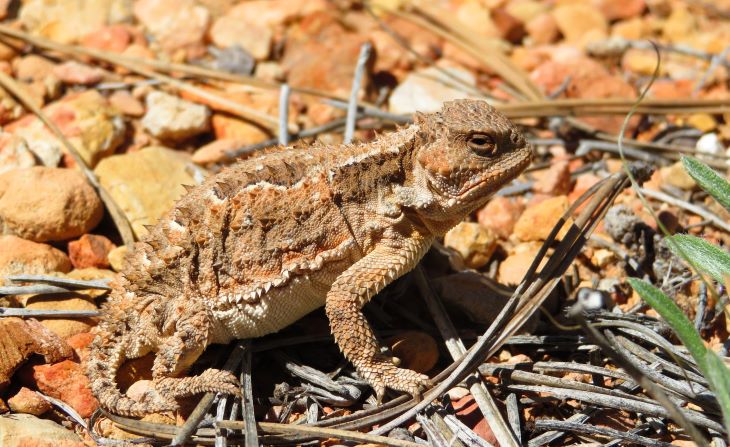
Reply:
x=264 y=242
x=255 y=221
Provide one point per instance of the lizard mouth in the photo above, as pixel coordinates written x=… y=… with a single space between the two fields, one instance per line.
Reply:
x=502 y=178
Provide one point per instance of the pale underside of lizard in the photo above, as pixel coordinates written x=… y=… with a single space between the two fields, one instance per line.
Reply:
x=269 y=239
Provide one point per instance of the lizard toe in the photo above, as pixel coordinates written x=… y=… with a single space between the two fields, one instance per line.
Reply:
x=383 y=374
x=210 y=381
x=219 y=381
x=407 y=381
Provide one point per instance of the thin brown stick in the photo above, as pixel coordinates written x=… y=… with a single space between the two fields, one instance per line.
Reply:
x=502 y=431
x=206 y=435
x=703 y=213
x=685 y=420
x=134 y=65
x=490 y=57
x=442 y=22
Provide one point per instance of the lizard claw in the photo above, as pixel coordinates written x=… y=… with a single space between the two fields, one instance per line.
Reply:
x=210 y=381
x=382 y=374
x=219 y=381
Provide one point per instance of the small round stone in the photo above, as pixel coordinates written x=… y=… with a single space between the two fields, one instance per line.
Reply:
x=47 y=204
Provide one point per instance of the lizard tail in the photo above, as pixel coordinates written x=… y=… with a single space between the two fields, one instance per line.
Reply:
x=106 y=355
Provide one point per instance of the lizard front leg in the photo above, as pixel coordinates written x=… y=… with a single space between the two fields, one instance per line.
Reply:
x=180 y=350
x=350 y=291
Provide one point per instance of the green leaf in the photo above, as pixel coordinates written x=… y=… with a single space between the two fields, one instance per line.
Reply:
x=718 y=377
x=708 y=258
x=709 y=180
x=712 y=367
x=675 y=317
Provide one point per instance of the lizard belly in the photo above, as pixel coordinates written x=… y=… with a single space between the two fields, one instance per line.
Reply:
x=277 y=308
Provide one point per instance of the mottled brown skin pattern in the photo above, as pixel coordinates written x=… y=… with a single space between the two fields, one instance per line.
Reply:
x=266 y=241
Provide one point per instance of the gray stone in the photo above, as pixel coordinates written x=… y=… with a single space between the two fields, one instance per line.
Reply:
x=26 y=430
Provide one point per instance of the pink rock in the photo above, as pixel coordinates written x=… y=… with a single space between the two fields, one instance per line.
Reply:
x=47 y=204
x=139 y=51
x=542 y=29
x=676 y=175
x=126 y=103
x=421 y=40
x=175 y=24
x=510 y=28
x=620 y=9
x=484 y=431
x=474 y=243
x=672 y=89
x=588 y=79
x=582 y=71
x=66 y=381
x=26 y=430
x=390 y=58
x=640 y=62
x=500 y=215
x=582 y=184
x=631 y=29
x=215 y=151
x=306 y=68
x=10 y=109
x=271 y=13
x=334 y=74
x=20 y=256
x=68 y=21
x=537 y=221
x=90 y=250
x=475 y=19
x=611 y=86
x=576 y=20
x=86 y=119
x=14 y=153
x=555 y=180
x=513 y=268
x=80 y=343
x=254 y=37
x=141 y=389
x=529 y=58
x=170 y=118
x=269 y=71
x=29 y=402
x=228 y=128
x=63 y=327
x=551 y=74
x=416 y=350
x=114 y=38
x=4 y=5
x=32 y=68
x=73 y=72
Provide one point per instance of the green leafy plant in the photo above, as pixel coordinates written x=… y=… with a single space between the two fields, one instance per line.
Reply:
x=708 y=180
x=707 y=259
x=709 y=363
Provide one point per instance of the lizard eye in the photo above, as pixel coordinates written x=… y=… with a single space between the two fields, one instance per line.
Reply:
x=482 y=144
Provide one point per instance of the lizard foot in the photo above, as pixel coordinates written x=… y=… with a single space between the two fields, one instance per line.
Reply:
x=210 y=381
x=154 y=402
x=382 y=374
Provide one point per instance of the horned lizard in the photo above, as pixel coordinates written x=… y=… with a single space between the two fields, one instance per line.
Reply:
x=269 y=239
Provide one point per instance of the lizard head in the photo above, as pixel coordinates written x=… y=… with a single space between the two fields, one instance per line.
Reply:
x=466 y=152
